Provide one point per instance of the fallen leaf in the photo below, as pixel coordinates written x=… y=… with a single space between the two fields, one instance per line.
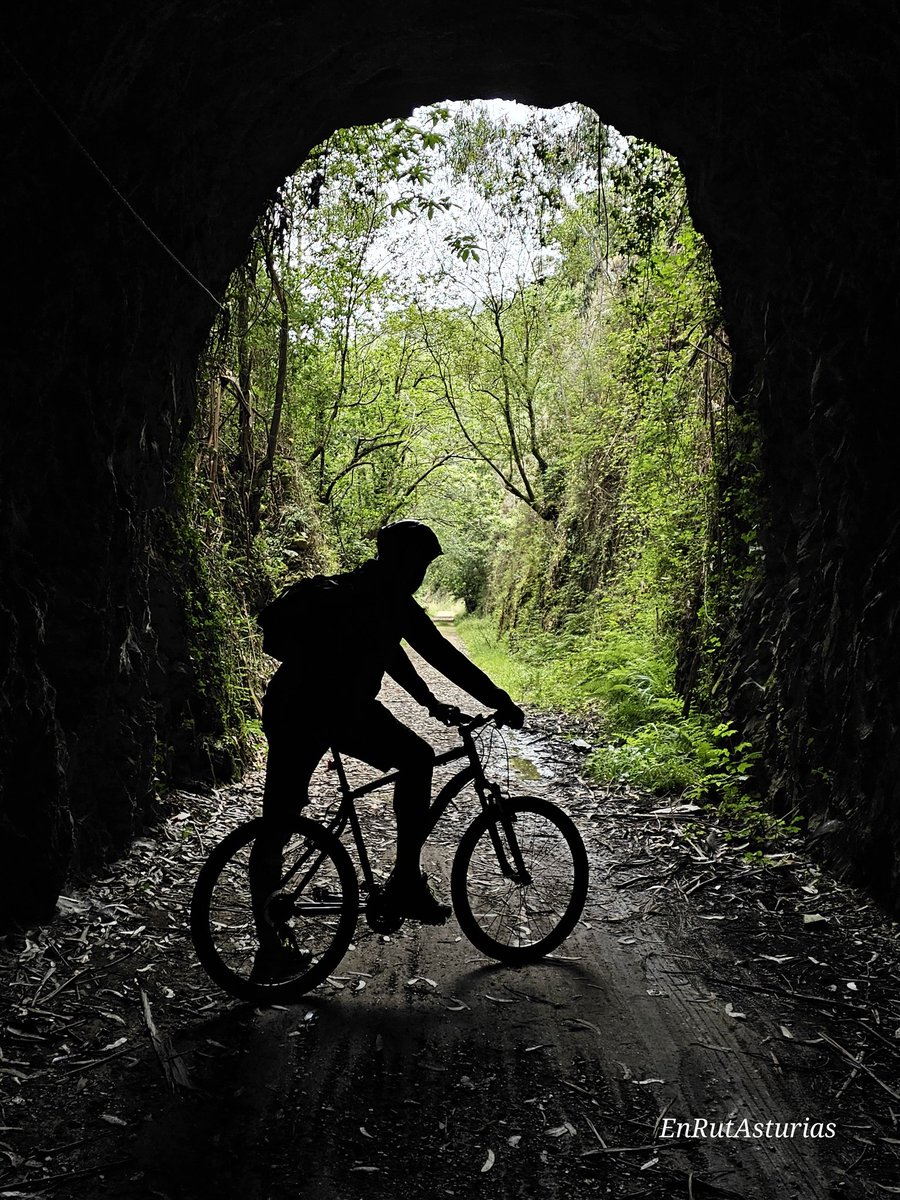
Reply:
x=515 y=1139
x=730 y=1012
x=580 y=1021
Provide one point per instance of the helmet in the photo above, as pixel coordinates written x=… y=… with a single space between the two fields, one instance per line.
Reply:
x=408 y=540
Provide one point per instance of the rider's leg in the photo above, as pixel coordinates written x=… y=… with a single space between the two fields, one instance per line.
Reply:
x=410 y=887
x=412 y=796
x=294 y=753
x=371 y=733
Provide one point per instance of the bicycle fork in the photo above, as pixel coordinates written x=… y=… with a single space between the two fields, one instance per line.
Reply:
x=499 y=819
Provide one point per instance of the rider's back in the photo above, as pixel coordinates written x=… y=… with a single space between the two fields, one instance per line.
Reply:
x=335 y=636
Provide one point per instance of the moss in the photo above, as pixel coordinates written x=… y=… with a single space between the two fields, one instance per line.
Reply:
x=214 y=679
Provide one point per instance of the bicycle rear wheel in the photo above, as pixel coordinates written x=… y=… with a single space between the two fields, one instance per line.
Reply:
x=519 y=880
x=315 y=908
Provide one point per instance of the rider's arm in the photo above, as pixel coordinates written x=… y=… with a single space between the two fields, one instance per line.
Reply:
x=403 y=672
x=424 y=637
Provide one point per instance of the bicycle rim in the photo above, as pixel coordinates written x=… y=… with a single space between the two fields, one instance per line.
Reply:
x=521 y=904
x=313 y=908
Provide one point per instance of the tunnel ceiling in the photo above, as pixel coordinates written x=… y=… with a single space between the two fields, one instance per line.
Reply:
x=785 y=123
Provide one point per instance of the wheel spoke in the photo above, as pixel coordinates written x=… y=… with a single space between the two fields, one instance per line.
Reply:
x=227 y=921
x=518 y=920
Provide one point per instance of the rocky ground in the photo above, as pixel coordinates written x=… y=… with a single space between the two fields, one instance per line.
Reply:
x=698 y=985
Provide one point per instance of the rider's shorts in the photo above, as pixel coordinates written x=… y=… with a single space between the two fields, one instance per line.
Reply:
x=364 y=730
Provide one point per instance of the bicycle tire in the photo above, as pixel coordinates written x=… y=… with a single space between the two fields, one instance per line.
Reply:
x=222 y=922
x=506 y=919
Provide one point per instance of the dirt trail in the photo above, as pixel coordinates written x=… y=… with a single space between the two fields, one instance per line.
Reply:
x=424 y=1070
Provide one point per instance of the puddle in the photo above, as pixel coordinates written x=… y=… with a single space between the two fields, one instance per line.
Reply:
x=528 y=756
x=524 y=767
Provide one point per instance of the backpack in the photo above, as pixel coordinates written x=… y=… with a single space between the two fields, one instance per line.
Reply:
x=304 y=619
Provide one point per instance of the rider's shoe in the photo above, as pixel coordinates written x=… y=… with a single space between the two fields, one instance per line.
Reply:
x=280 y=960
x=417 y=902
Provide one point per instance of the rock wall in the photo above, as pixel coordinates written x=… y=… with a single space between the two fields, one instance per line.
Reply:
x=785 y=122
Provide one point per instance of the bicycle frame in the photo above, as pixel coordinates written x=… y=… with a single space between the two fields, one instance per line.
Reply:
x=300 y=882
x=488 y=794
x=347 y=814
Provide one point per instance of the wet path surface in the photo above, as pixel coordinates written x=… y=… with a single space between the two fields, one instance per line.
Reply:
x=422 y=1069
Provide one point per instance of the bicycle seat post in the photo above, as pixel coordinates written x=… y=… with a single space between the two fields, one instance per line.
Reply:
x=341 y=773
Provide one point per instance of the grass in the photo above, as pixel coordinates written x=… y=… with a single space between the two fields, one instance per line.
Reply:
x=491 y=654
x=644 y=739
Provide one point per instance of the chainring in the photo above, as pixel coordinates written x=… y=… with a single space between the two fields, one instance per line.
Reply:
x=381 y=914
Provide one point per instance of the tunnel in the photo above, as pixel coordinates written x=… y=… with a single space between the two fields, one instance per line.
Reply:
x=142 y=141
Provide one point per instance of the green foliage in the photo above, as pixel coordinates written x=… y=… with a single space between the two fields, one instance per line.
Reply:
x=689 y=756
x=609 y=676
x=646 y=741
x=658 y=757
x=545 y=379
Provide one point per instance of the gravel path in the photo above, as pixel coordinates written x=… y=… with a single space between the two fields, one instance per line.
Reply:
x=692 y=989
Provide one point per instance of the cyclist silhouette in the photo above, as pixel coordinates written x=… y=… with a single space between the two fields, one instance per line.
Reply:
x=327 y=697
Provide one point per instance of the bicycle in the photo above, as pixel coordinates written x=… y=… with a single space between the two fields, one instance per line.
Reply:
x=518 y=882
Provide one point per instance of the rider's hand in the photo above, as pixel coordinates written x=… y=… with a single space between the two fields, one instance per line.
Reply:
x=447 y=714
x=509 y=713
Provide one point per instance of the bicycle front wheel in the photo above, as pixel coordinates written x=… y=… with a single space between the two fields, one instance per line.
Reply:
x=519 y=880
x=313 y=906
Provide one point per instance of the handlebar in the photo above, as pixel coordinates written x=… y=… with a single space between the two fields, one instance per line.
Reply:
x=467 y=722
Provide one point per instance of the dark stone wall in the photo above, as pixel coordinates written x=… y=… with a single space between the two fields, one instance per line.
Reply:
x=785 y=121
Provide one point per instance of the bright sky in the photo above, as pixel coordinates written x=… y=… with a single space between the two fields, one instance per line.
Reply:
x=413 y=246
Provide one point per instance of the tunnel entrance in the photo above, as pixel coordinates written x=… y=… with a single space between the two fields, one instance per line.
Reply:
x=196 y=116
x=501 y=321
